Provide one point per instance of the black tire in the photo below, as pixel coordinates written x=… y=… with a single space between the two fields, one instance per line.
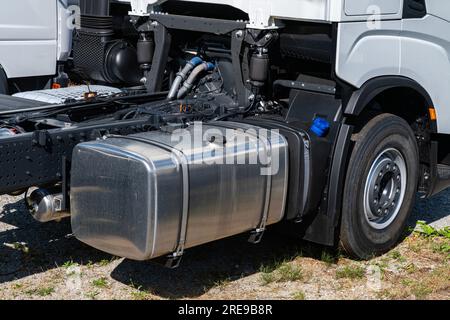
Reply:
x=359 y=237
x=3 y=82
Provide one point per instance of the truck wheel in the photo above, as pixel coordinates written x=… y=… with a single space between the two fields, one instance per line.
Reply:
x=3 y=82
x=380 y=188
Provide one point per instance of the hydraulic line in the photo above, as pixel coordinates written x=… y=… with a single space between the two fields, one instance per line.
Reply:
x=189 y=83
x=182 y=75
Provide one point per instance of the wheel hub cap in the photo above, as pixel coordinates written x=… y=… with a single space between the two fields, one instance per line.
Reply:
x=385 y=189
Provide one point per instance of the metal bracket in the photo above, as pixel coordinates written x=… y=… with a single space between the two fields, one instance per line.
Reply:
x=257 y=236
x=199 y=24
x=163 y=40
x=237 y=40
x=41 y=138
x=174 y=260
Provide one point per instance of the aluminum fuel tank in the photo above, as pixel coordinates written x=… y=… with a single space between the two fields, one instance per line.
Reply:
x=148 y=195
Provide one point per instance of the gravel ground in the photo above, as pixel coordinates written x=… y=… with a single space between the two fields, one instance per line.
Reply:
x=46 y=262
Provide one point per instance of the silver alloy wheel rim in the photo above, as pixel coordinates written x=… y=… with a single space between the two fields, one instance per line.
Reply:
x=385 y=189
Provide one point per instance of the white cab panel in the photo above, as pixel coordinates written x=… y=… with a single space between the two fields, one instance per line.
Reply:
x=364 y=53
x=426 y=59
x=439 y=8
x=28 y=37
x=418 y=49
x=370 y=7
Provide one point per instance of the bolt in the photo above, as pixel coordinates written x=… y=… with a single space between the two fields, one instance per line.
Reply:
x=239 y=34
x=376 y=188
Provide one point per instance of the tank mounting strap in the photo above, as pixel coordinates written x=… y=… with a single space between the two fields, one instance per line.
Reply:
x=258 y=233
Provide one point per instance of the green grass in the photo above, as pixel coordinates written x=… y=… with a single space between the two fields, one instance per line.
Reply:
x=299 y=296
x=42 y=292
x=328 y=258
x=18 y=286
x=431 y=232
x=281 y=272
x=104 y=263
x=69 y=264
x=140 y=295
x=92 y=295
x=289 y=273
x=350 y=272
x=100 y=283
x=420 y=291
x=443 y=248
x=396 y=255
x=267 y=278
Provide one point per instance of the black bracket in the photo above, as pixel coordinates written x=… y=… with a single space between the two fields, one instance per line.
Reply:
x=237 y=40
x=163 y=42
x=173 y=261
x=199 y=24
x=257 y=236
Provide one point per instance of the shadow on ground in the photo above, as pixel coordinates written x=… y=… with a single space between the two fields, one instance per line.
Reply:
x=28 y=247
x=51 y=245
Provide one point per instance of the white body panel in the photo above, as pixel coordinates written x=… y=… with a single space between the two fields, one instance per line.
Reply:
x=266 y=13
x=28 y=37
x=34 y=35
x=418 y=49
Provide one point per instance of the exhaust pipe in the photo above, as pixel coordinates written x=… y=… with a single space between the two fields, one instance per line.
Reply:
x=45 y=206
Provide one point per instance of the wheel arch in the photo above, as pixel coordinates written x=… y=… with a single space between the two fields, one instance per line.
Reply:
x=391 y=89
x=354 y=110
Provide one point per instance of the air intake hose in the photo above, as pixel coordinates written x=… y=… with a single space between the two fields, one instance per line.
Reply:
x=189 y=83
x=182 y=75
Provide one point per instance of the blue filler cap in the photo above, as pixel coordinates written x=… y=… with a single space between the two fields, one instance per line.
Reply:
x=320 y=127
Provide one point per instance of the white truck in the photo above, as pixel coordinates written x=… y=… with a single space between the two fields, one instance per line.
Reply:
x=186 y=122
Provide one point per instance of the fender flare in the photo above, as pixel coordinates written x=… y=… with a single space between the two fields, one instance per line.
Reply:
x=369 y=90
